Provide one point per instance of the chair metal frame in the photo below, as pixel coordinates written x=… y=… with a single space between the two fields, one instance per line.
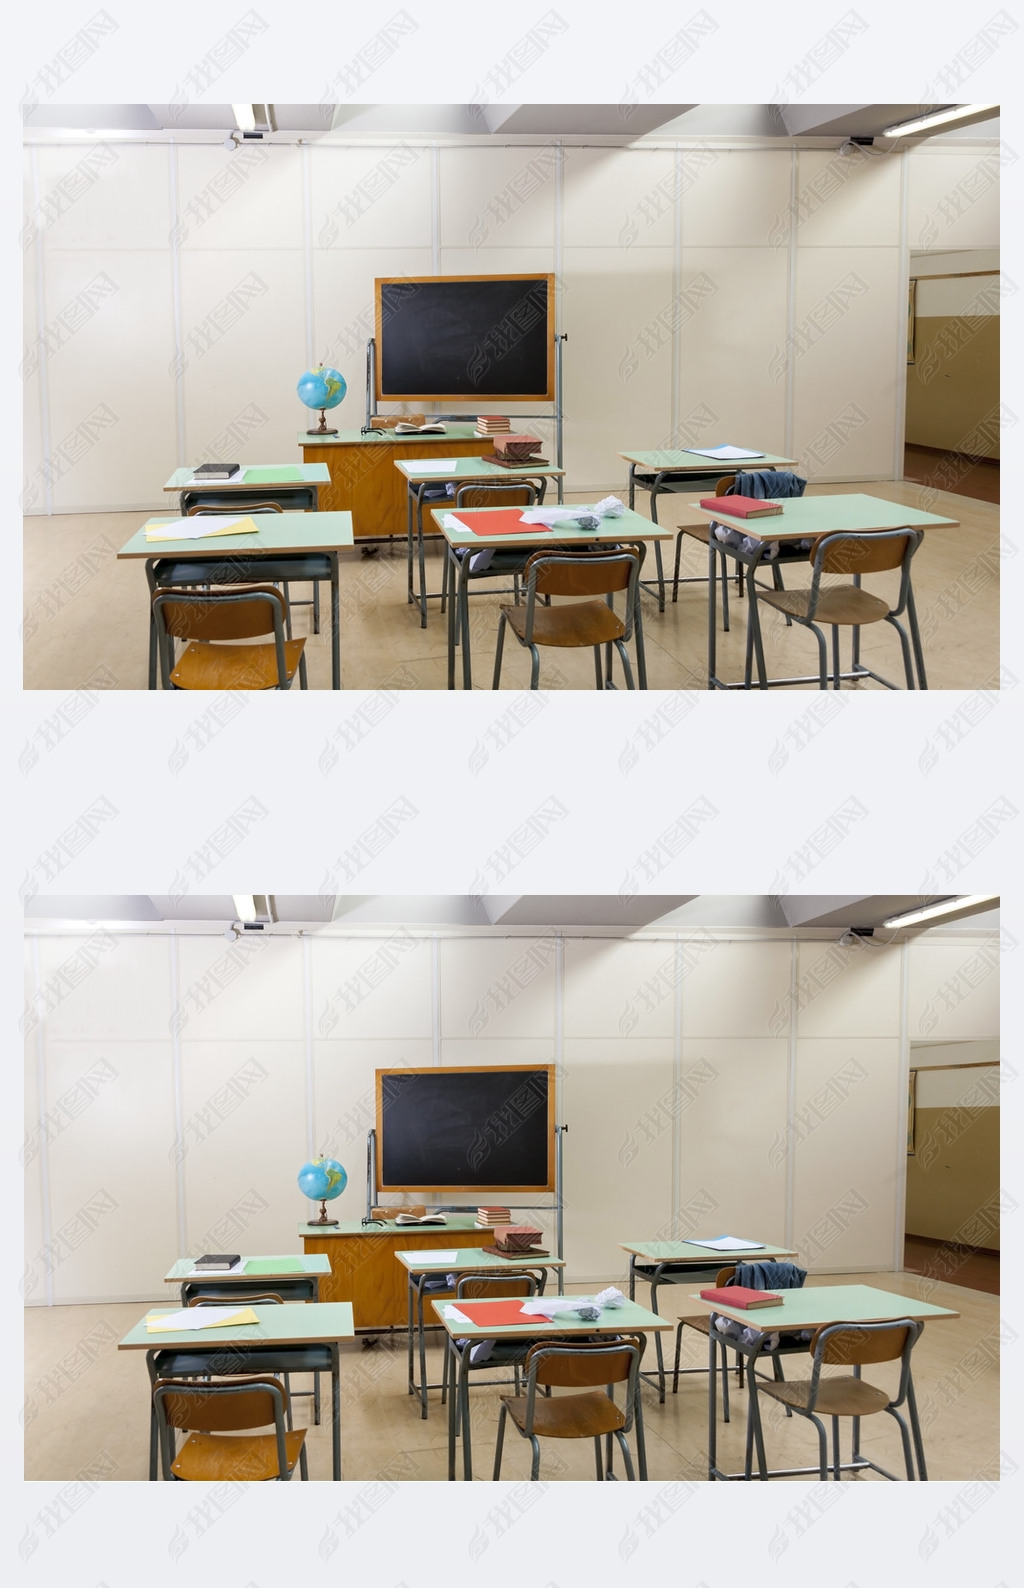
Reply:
x=539 y=1372
x=540 y=565
x=165 y=1389
x=819 y=1346
x=238 y=503
x=224 y=598
x=502 y=562
x=504 y=1353
x=819 y=555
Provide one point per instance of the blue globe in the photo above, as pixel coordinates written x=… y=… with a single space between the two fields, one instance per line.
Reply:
x=322 y=1180
x=322 y=387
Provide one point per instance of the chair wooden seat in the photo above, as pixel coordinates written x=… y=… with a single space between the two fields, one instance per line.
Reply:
x=250 y=1458
x=582 y=623
x=842 y=604
x=837 y=1397
x=568 y=1416
x=204 y=665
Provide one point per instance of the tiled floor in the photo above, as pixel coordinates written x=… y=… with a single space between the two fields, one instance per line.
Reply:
x=87 y=614
x=86 y=1408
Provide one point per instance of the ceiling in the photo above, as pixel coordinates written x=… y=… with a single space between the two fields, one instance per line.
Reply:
x=624 y=123
x=602 y=912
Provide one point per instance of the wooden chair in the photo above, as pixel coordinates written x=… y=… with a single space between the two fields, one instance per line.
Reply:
x=847 y=605
x=500 y=563
x=852 y=1345
x=206 y=617
x=593 y=1367
x=700 y=1323
x=220 y=1408
x=238 y=505
x=253 y=1297
x=591 y=623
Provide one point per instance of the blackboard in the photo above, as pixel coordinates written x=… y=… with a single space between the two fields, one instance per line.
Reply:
x=464 y=1129
x=465 y=337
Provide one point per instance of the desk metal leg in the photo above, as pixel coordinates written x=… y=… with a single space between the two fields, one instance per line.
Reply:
x=336 y=1410
x=410 y=595
x=712 y=1409
x=467 y=672
x=335 y=623
x=467 y=1449
x=712 y=575
x=638 y=1416
x=452 y=1404
x=423 y=1350
x=453 y=597
x=422 y=561
x=408 y=1327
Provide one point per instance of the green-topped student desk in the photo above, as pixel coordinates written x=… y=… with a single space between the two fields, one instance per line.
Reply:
x=420 y=476
x=421 y=1267
x=808 y=1308
x=275 y=551
x=627 y=1319
x=363 y=1267
x=679 y=1263
x=566 y=536
x=294 y=485
x=277 y=1343
x=678 y=469
x=364 y=481
x=802 y=518
x=293 y=1278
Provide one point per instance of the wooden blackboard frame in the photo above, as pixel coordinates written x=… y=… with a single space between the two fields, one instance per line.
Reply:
x=380 y=325
x=442 y=1073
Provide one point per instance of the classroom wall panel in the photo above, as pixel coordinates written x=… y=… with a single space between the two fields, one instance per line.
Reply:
x=378 y=988
x=737 y=989
x=242 y=1142
x=343 y=319
x=731 y=340
x=847 y=200
x=498 y=990
x=246 y=990
x=846 y=319
x=32 y=1159
x=104 y=197
x=730 y=1102
x=243 y=338
x=111 y=1169
x=496 y=198
x=344 y=1090
x=853 y=990
x=241 y=198
x=619 y=198
x=849 y=1111
x=734 y=198
x=953 y=990
x=104 y=985
x=377 y=196
x=953 y=197
x=618 y=1149
x=624 y=989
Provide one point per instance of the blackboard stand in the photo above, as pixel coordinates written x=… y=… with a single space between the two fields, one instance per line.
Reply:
x=451 y=1207
x=558 y=416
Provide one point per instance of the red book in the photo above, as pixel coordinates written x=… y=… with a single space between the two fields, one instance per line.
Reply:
x=499 y=521
x=739 y=1296
x=484 y=1313
x=740 y=506
x=517 y=443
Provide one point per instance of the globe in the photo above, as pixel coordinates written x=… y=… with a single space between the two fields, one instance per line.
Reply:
x=321 y=388
x=323 y=1180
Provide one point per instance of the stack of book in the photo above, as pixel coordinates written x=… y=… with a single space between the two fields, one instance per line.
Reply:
x=517 y=1239
x=487 y=1217
x=492 y=425
x=515 y=452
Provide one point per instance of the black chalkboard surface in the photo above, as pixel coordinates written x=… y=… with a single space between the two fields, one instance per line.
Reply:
x=465 y=337
x=463 y=1129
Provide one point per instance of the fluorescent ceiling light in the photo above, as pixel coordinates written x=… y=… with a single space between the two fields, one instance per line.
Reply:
x=940 y=118
x=963 y=904
x=245 y=906
x=245 y=119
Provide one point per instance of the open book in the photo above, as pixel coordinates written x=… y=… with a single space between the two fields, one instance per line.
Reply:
x=431 y=428
x=421 y=1218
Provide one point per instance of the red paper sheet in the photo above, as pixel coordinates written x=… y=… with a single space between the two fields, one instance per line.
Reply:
x=499 y=521
x=483 y=1313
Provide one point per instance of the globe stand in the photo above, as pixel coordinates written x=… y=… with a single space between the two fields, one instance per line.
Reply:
x=322 y=430
x=323 y=1219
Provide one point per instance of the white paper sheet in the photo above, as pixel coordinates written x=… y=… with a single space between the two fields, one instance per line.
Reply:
x=429 y=1259
x=217 y=1273
x=433 y=465
x=195 y=1317
x=197 y=528
x=730 y=1243
x=724 y=452
x=456 y=1316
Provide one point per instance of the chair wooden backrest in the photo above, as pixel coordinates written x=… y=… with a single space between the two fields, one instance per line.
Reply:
x=872 y=552
x=221 y=1407
x=585 y=573
x=220 y=615
x=518 y=493
x=474 y=1286
x=583 y=1364
x=233 y=509
x=851 y=1343
x=224 y=1298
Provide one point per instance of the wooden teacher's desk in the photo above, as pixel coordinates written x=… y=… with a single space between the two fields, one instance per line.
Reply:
x=363 y=1266
x=363 y=477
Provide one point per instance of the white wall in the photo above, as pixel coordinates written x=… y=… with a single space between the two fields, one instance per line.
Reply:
x=174 y=294
x=710 y=1082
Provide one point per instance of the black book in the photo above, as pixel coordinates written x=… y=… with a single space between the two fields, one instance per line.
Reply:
x=217 y=1262
x=215 y=471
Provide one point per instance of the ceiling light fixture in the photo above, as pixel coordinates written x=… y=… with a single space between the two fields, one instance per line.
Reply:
x=245 y=117
x=940 y=118
x=962 y=904
x=245 y=906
